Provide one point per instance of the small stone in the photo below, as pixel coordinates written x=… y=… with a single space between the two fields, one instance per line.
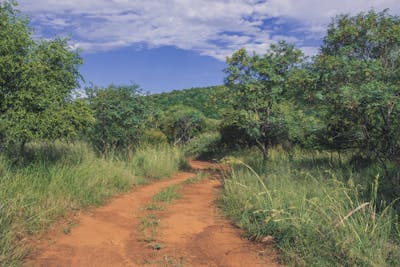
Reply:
x=269 y=239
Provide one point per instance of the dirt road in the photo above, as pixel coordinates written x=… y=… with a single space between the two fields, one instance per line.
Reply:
x=190 y=231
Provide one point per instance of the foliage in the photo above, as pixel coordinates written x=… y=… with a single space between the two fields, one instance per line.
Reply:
x=206 y=100
x=181 y=123
x=258 y=85
x=154 y=137
x=291 y=127
x=36 y=82
x=358 y=78
x=211 y=125
x=204 y=146
x=322 y=205
x=122 y=115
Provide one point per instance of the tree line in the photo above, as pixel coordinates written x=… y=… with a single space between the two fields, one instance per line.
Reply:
x=346 y=97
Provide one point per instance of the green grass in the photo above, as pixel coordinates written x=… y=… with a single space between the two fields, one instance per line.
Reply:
x=168 y=194
x=149 y=225
x=52 y=180
x=154 y=206
x=317 y=216
x=158 y=162
x=150 y=222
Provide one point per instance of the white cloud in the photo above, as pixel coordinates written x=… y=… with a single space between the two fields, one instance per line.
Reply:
x=316 y=13
x=209 y=27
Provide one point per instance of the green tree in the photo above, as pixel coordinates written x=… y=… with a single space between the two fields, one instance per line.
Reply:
x=358 y=83
x=257 y=86
x=122 y=115
x=36 y=82
x=181 y=123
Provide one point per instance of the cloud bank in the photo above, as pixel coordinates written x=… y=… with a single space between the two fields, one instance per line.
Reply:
x=214 y=28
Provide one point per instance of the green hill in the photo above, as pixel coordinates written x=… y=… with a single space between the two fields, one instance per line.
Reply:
x=205 y=99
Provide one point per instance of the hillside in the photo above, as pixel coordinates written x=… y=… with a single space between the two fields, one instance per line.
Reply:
x=204 y=99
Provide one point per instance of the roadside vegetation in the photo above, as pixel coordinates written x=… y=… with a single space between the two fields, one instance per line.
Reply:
x=324 y=179
x=320 y=212
x=158 y=161
x=54 y=180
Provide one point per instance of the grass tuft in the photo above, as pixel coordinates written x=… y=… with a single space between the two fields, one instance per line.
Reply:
x=149 y=225
x=168 y=194
x=155 y=206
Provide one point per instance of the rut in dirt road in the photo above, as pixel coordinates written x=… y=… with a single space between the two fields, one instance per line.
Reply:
x=189 y=232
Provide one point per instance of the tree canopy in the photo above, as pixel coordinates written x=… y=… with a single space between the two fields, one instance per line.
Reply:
x=37 y=79
x=122 y=115
x=257 y=86
x=358 y=81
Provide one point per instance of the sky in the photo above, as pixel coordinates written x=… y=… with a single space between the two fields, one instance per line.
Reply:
x=163 y=45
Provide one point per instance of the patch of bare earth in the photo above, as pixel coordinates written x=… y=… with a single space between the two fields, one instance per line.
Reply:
x=190 y=232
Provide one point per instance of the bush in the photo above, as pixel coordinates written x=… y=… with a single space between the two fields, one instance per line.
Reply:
x=122 y=114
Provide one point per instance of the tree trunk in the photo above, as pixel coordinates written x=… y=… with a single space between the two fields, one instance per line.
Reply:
x=129 y=152
x=22 y=147
x=265 y=153
x=263 y=148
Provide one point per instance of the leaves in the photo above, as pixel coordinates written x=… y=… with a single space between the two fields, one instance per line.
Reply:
x=359 y=69
x=258 y=86
x=122 y=115
x=36 y=82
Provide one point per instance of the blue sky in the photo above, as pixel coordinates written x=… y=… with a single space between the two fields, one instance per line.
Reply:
x=174 y=44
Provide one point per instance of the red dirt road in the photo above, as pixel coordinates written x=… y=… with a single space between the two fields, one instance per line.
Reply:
x=191 y=232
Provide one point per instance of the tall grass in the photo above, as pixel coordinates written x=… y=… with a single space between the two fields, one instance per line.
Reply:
x=52 y=180
x=316 y=217
x=159 y=161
